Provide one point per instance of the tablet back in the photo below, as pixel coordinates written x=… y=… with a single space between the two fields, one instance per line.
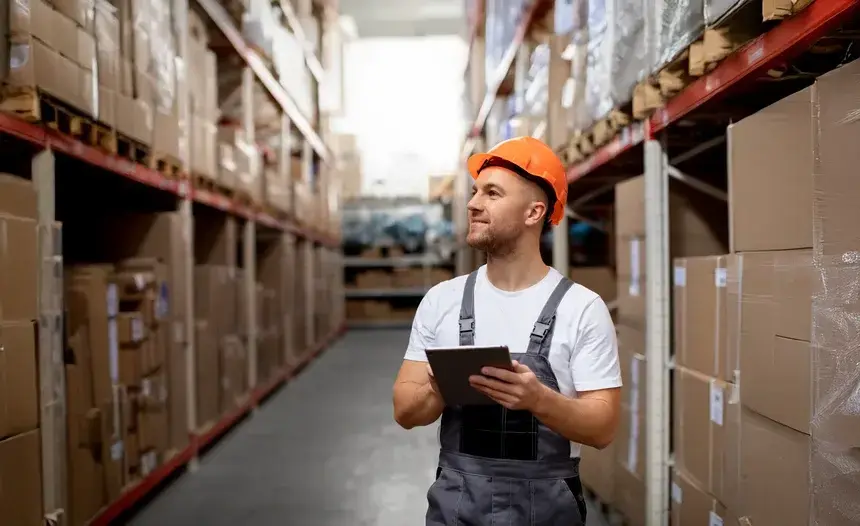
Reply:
x=453 y=366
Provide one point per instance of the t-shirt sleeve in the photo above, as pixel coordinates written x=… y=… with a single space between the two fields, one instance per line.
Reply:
x=423 y=333
x=594 y=360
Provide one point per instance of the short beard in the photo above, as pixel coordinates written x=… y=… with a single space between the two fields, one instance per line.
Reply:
x=492 y=245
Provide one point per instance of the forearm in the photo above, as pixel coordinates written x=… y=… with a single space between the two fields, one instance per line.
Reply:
x=586 y=421
x=416 y=404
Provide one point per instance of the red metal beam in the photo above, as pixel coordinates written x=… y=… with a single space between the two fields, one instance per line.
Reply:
x=46 y=138
x=128 y=500
x=784 y=42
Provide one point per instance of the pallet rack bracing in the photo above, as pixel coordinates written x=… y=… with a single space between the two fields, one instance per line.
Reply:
x=69 y=173
x=680 y=143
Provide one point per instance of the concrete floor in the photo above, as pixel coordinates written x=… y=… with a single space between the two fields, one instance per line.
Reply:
x=324 y=451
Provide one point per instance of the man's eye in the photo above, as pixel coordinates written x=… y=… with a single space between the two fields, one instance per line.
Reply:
x=493 y=193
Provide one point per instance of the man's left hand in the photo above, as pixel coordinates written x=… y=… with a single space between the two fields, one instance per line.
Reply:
x=517 y=389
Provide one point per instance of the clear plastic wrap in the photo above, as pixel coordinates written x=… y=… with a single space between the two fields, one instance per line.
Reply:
x=717 y=10
x=679 y=24
x=502 y=19
x=576 y=99
x=630 y=47
x=598 y=75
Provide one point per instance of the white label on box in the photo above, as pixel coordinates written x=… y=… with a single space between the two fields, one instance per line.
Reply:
x=680 y=276
x=720 y=277
x=715 y=520
x=716 y=403
x=632 y=446
x=113 y=351
x=146 y=387
x=677 y=493
x=116 y=451
x=139 y=281
x=634 y=370
x=136 y=329
x=112 y=300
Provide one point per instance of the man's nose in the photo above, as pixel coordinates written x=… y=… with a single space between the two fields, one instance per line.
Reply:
x=474 y=204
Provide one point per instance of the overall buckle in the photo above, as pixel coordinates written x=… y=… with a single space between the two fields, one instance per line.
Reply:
x=467 y=325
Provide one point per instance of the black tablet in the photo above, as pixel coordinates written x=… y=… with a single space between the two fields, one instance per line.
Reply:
x=452 y=367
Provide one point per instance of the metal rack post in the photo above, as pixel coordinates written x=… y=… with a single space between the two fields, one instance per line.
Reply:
x=657 y=353
x=52 y=374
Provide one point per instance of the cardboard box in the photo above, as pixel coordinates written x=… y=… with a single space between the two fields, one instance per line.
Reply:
x=208 y=373
x=19 y=393
x=17 y=197
x=691 y=505
x=598 y=279
x=21 y=480
x=35 y=18
x=699 y=430
x=773 y=291
x=80 y=11
x=630 y=497
x=18 y=269
x=701 y=315
x=770 y=187
x=597 y=469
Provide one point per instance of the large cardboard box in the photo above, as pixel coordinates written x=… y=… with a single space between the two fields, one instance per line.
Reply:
x=21 y=480
x=597 y=469
x=691 y=505
x=19 y=408
x=701 y=315
x=18 y=268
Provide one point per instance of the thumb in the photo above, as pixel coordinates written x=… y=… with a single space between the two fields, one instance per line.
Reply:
x=520 y=368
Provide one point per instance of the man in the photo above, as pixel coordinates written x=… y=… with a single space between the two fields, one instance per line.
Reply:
x=516 y=462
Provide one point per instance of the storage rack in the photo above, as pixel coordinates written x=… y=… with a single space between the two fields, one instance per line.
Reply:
x=673 y=136
x=426 y=261
x=57 y=162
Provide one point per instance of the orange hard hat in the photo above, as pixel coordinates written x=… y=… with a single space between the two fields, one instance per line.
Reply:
x=534 y=158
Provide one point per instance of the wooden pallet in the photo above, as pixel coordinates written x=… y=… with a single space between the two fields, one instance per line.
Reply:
x=34 y=105
x=133 y=150
x=166 y=165
x=205 y=182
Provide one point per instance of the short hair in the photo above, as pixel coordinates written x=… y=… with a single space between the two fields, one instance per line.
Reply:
x=541 y=183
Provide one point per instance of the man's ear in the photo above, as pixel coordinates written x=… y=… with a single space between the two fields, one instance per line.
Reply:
x=537 y=213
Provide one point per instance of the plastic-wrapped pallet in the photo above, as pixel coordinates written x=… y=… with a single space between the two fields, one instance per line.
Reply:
x=680 y=23
x=574 y=96
x=717 y=10
x=598 y=93
x=502 y=18
x=629 y=47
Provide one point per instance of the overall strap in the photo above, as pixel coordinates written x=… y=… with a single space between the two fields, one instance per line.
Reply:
x=467 y=311
x=541 y=334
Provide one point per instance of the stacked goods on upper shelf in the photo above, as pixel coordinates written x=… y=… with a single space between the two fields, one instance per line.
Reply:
x=697 y=228
x=241 y=159
x=277 y=186
x=502 y=19
x=20 y=444
x=203 y=92
x=791 y=282
x=149 y=68
x=264 y=28
x=54 y=52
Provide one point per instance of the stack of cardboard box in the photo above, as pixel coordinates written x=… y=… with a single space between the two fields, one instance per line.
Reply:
x=149 y=67
x=96 y=400
x=142 y=336
x=791 y=443
x=203 y=90
x=20 y=445
x=697 y=228
x=54 y=51
x=701 y=409
x=222 y=367
x=241 y=158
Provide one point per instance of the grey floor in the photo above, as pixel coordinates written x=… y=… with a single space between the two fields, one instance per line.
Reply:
x=324 y=451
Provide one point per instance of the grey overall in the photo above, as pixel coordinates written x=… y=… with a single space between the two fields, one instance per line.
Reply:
x=503 y=467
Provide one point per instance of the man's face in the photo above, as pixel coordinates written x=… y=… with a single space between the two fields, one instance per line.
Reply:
x=503 y=207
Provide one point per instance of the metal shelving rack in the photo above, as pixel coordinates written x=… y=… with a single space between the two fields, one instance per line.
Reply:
x=645 y=147
x=45 y=147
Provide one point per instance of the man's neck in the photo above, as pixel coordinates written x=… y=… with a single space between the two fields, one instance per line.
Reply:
x=517 y=270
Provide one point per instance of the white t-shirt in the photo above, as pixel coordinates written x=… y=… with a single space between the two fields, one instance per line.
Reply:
x=584 y=351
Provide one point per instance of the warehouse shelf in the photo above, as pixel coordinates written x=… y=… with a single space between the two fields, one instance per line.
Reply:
x=56 y=141
x=386 y=293
x=529 y=15
x=311 y=60
x=252 y=58
x=401 y=261
x=782 y=43
x=199 y=442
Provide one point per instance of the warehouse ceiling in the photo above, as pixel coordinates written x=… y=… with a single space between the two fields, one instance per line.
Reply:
x=405 y=18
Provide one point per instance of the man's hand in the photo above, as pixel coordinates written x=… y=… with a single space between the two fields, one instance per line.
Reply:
x=517 y=389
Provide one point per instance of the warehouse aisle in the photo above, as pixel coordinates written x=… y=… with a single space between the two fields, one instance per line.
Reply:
x=324 y=451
